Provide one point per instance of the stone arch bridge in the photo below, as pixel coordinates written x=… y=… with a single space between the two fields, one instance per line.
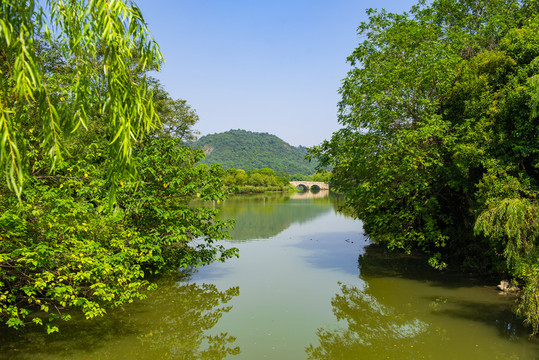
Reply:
x=308 y=185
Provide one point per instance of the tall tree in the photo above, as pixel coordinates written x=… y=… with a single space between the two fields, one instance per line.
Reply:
x=176 y=116
x=113 y=31
x=439 y=145
x=63 y=248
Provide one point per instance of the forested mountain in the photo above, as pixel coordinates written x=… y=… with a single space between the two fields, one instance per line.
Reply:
x=248 y=150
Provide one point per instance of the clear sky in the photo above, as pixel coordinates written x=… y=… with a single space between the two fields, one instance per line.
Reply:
x=260 y=65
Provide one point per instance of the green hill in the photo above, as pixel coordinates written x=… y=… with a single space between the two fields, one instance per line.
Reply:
x=248 y=150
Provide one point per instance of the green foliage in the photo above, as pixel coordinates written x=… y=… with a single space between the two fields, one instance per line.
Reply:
x=176 y=116
x=63 y=107
x=64 y=245
x=247 y=150
x=63 y=248
x=439 y=149
x=511 y=222
x=265 y=179
x=321 y=176
x=299 y=177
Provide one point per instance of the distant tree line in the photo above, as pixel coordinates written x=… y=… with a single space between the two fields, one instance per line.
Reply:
x=260 y=180
x=265 y=179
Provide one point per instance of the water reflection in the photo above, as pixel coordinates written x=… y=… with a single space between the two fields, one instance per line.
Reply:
x=439 y=290
x=407 y=310
x=171 y=324
x=372 y=329
x=267 y=215
x=303 y=286
x=312 y=194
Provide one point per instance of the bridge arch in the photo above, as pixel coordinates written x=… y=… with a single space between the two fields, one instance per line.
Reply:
x=310 y=185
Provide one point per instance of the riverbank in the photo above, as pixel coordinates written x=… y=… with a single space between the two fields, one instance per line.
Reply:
x=308 y=285
x=250 y=189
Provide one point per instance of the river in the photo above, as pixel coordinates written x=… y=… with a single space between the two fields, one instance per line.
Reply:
x=307 y=285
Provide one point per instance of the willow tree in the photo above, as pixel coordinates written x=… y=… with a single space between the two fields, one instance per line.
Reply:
x=114 y=32
x=439 y=149
x=77 y=121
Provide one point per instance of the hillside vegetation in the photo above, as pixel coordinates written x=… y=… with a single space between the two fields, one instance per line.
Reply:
x=248 y=150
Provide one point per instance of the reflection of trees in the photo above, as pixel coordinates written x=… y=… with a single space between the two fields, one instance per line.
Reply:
x=374 y=330
x=262 y=217
x=185 y=316
x=377 y=261
x=339 y=205
x=170 y=324
x=407 y=310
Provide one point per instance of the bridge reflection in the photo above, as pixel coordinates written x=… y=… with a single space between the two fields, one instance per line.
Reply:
x=310 y=194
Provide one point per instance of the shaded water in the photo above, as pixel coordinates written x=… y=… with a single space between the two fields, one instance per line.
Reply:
x=298 y=291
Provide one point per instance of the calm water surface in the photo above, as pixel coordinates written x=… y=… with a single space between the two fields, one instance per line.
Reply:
x=307 y=285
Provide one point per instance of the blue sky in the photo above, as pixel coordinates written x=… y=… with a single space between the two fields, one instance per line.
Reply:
x=261 y=65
